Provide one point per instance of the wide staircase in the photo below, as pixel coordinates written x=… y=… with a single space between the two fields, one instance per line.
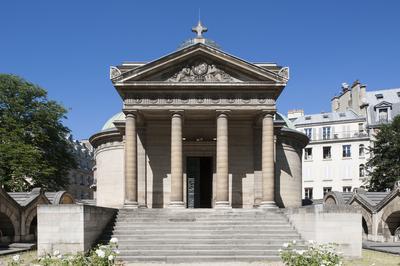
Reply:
x=200 y=235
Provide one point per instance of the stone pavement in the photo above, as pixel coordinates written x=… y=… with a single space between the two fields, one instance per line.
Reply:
x=393 y=247
x=16 y=248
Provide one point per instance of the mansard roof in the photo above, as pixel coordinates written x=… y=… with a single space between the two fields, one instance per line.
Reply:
x=332 y=117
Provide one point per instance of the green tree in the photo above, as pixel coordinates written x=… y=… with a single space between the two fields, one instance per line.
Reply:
x=34 y=150
x=384 y=166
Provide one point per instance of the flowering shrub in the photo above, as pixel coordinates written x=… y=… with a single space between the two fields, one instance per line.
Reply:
x=102 y=255
x=312 y=255
x=15 y=261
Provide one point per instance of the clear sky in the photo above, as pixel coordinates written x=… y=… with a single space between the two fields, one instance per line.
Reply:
x=67 y=46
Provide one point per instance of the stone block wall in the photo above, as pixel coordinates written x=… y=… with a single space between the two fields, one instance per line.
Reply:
x=70 y=228
x=329 y=224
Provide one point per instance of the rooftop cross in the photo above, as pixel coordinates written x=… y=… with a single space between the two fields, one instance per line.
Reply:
x=199 y=29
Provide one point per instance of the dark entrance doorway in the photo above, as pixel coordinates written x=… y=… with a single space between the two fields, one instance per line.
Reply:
x=199 y=172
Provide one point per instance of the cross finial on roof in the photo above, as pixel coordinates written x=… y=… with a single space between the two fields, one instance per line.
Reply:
x=199 y=29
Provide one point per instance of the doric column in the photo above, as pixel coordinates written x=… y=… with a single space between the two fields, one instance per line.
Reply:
x=176 y=196
x=130 y=160
x=268 y=171
x=222 y=199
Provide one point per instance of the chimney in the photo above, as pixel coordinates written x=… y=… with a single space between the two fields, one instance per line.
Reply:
x=296 y=113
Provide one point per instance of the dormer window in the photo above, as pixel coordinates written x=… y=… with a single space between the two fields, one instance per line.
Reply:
x=398 y=93
x=342 y=114
x=379 y=96
x=308 y=117
x=383 y=115
x=325 y=116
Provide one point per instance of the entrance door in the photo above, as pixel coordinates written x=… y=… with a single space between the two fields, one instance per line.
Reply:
x=199 y=182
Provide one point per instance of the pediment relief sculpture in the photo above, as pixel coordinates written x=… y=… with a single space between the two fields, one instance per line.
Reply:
x=202 y=72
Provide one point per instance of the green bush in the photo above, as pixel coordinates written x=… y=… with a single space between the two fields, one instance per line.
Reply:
x=311 y=254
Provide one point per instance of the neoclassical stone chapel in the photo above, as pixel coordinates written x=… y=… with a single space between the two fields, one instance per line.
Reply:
x=199 y=128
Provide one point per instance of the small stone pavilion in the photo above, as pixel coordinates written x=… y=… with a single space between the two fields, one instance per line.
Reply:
x=380 y=211
x=199 y=128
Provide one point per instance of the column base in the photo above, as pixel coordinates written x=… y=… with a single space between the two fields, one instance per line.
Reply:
x=176 y=205
x=131 y=204
x=268 y=205
x=222 y=205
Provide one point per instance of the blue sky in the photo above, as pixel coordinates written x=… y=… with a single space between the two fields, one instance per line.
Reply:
x=67 y=46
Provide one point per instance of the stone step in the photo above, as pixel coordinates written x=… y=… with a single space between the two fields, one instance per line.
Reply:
x=213 y=246
x=197 y=226
x=158 y=242
x=208 y=220
x=185 y=232
x=194 y=259
x=134 y=237
x=208 y=252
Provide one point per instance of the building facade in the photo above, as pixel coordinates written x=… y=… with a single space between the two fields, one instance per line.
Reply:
x=81 y=179
x=335 y=158
x=198 y=129
x=337 y=153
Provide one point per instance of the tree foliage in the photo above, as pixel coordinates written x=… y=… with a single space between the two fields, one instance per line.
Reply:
x=384 y=165
x=34 y=150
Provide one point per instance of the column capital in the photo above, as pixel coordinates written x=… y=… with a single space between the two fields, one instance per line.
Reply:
x=220 y=112
x=268 y=113
x=130 y=112
x=175 y=112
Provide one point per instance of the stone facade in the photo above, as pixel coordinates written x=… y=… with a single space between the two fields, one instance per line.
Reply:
x=81 y=180
x=198 y=102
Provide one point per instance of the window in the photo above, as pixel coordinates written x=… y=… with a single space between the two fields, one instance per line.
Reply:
x=308 y=132
x=379 y=96
x=361 y=150
x=308 y=154
x=398 y=93
x=383 y=115
x=308 y=193
x=342 y=114
x=326 y=152
x=326 y=132
x=82 y=180
x=346 y=151
x=346 y=189
x=308 y=117
x=362 y=170
x=327 y=189
x=360 y=127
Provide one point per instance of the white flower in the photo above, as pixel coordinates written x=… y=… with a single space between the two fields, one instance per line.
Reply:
x=16 y=257
x=114 y=240
x=56 y=253
x=103 y=247
x=294 y=242
x=116 y=251
x=311 y=242
x=59 y=256
x=300 y=252
x=322 y=265
x=100 y=253
x=285 y=245
x=279 y=250
x=110 y=258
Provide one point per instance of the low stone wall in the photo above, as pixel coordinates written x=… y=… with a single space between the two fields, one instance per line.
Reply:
x=70 y=228
x=338 y=224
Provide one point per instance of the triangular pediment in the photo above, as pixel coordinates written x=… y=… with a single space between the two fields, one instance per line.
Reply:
x=383 y=104
x=200 y=63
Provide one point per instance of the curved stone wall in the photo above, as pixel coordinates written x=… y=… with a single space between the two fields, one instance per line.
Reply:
x=288 y=172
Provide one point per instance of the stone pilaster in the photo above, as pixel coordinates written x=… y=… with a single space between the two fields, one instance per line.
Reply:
x=176 y=196
x=268 y=170
x=222 y=184
x=130 y=160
